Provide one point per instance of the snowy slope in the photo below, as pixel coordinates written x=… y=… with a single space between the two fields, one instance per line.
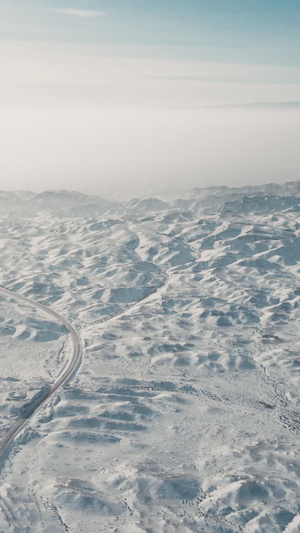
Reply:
x=185 y=414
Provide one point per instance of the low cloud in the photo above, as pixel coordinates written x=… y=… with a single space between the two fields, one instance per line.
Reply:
x=74 y=118
x=84 y=13
x=275 y=105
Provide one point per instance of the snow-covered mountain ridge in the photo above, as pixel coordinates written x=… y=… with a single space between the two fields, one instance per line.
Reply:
x=185 y=414
x=73 y=203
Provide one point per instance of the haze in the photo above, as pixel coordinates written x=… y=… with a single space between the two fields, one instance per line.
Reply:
x=112 y=97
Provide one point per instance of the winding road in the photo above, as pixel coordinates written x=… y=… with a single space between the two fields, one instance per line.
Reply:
x=66 y=374
x=73 y=364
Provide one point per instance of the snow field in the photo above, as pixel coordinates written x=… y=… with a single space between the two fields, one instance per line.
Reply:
x=184 y=415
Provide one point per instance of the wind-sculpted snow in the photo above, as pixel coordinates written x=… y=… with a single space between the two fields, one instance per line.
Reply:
x=185 y=414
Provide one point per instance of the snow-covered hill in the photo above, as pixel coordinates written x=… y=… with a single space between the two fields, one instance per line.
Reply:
x=185 y=413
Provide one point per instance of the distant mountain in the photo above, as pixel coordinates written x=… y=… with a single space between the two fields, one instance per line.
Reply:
x=66 y=203
x=147 y=204
x=66 y=200
x=13 y=200
x=271 y=196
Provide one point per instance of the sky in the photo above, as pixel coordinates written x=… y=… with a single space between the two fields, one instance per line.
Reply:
x=137 y=96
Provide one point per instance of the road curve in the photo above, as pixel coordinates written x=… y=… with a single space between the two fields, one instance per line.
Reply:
x=66 y=374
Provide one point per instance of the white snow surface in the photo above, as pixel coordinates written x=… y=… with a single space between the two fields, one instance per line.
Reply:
x=185 y=413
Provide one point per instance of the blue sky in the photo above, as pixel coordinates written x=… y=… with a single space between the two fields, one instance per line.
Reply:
x=142 y=92
x=219 y=30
